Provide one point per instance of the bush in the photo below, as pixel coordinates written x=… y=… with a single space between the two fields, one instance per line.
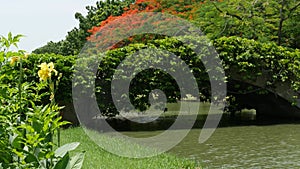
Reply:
x=29 y=115
x=240 y=56
x=252 y=59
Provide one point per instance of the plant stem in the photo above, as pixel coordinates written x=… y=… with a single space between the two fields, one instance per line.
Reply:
x=52 y=91
x=58 y=137
x=20 y=83
x=20 y=99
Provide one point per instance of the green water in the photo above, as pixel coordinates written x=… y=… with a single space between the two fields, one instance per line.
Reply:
x=269 y=146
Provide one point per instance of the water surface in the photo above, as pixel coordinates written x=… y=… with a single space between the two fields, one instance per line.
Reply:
x=269 y=146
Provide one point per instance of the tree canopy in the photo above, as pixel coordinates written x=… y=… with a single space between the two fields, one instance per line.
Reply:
x=251 y=36
x=261 y=20
x=76 y=38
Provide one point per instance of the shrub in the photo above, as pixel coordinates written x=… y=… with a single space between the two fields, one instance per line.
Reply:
x=240 y=56
x=28 y=123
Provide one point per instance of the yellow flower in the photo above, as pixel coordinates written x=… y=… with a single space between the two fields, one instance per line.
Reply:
x=51 y=97
x=14 y=59
x=51 y=68
x=43 y=66
x=43 y=74
x=46 y=69
x=25 y=56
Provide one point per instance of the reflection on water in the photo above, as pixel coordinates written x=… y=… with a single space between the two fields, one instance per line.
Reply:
x=270 y=146
x=239 y=142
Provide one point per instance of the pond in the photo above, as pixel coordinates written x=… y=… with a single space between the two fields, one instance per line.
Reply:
x=270 y=146
x=245 y=147
x=238 y=142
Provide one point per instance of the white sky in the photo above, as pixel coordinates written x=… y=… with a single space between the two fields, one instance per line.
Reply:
x=40 y=20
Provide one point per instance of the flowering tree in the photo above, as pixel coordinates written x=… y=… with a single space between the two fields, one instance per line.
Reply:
x=136 y=22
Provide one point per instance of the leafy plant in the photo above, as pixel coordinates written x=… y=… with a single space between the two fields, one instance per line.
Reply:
x=27 y=125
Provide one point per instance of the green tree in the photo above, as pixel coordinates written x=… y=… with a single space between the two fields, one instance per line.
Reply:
x=262 y=20
x=50 y=47
x=76 y=38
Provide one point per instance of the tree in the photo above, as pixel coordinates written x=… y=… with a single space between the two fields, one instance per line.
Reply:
x=289 y=10
x=50 y=47
x=76 y=38
x=262 y=20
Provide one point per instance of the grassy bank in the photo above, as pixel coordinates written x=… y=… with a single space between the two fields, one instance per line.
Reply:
x=97 y=158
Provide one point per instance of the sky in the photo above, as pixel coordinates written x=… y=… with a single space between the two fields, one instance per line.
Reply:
x=40 y=21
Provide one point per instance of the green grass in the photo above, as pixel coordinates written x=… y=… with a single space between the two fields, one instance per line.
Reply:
x=201 y=109
x=174 y=108
x=97 y=158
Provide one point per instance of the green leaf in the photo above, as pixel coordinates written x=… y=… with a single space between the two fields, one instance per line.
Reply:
x=61 y=151
x=76 y=161
x=14 y=141
x=63 y=162
x=1 y=58
x=30 y=158
x=17 y=38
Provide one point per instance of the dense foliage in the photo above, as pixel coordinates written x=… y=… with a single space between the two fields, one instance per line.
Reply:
x=29 y=115
x=254 y=39
x=252 y=59
x=249 y=58
x=276 y=21
x=270 y=25
x=261 y=20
